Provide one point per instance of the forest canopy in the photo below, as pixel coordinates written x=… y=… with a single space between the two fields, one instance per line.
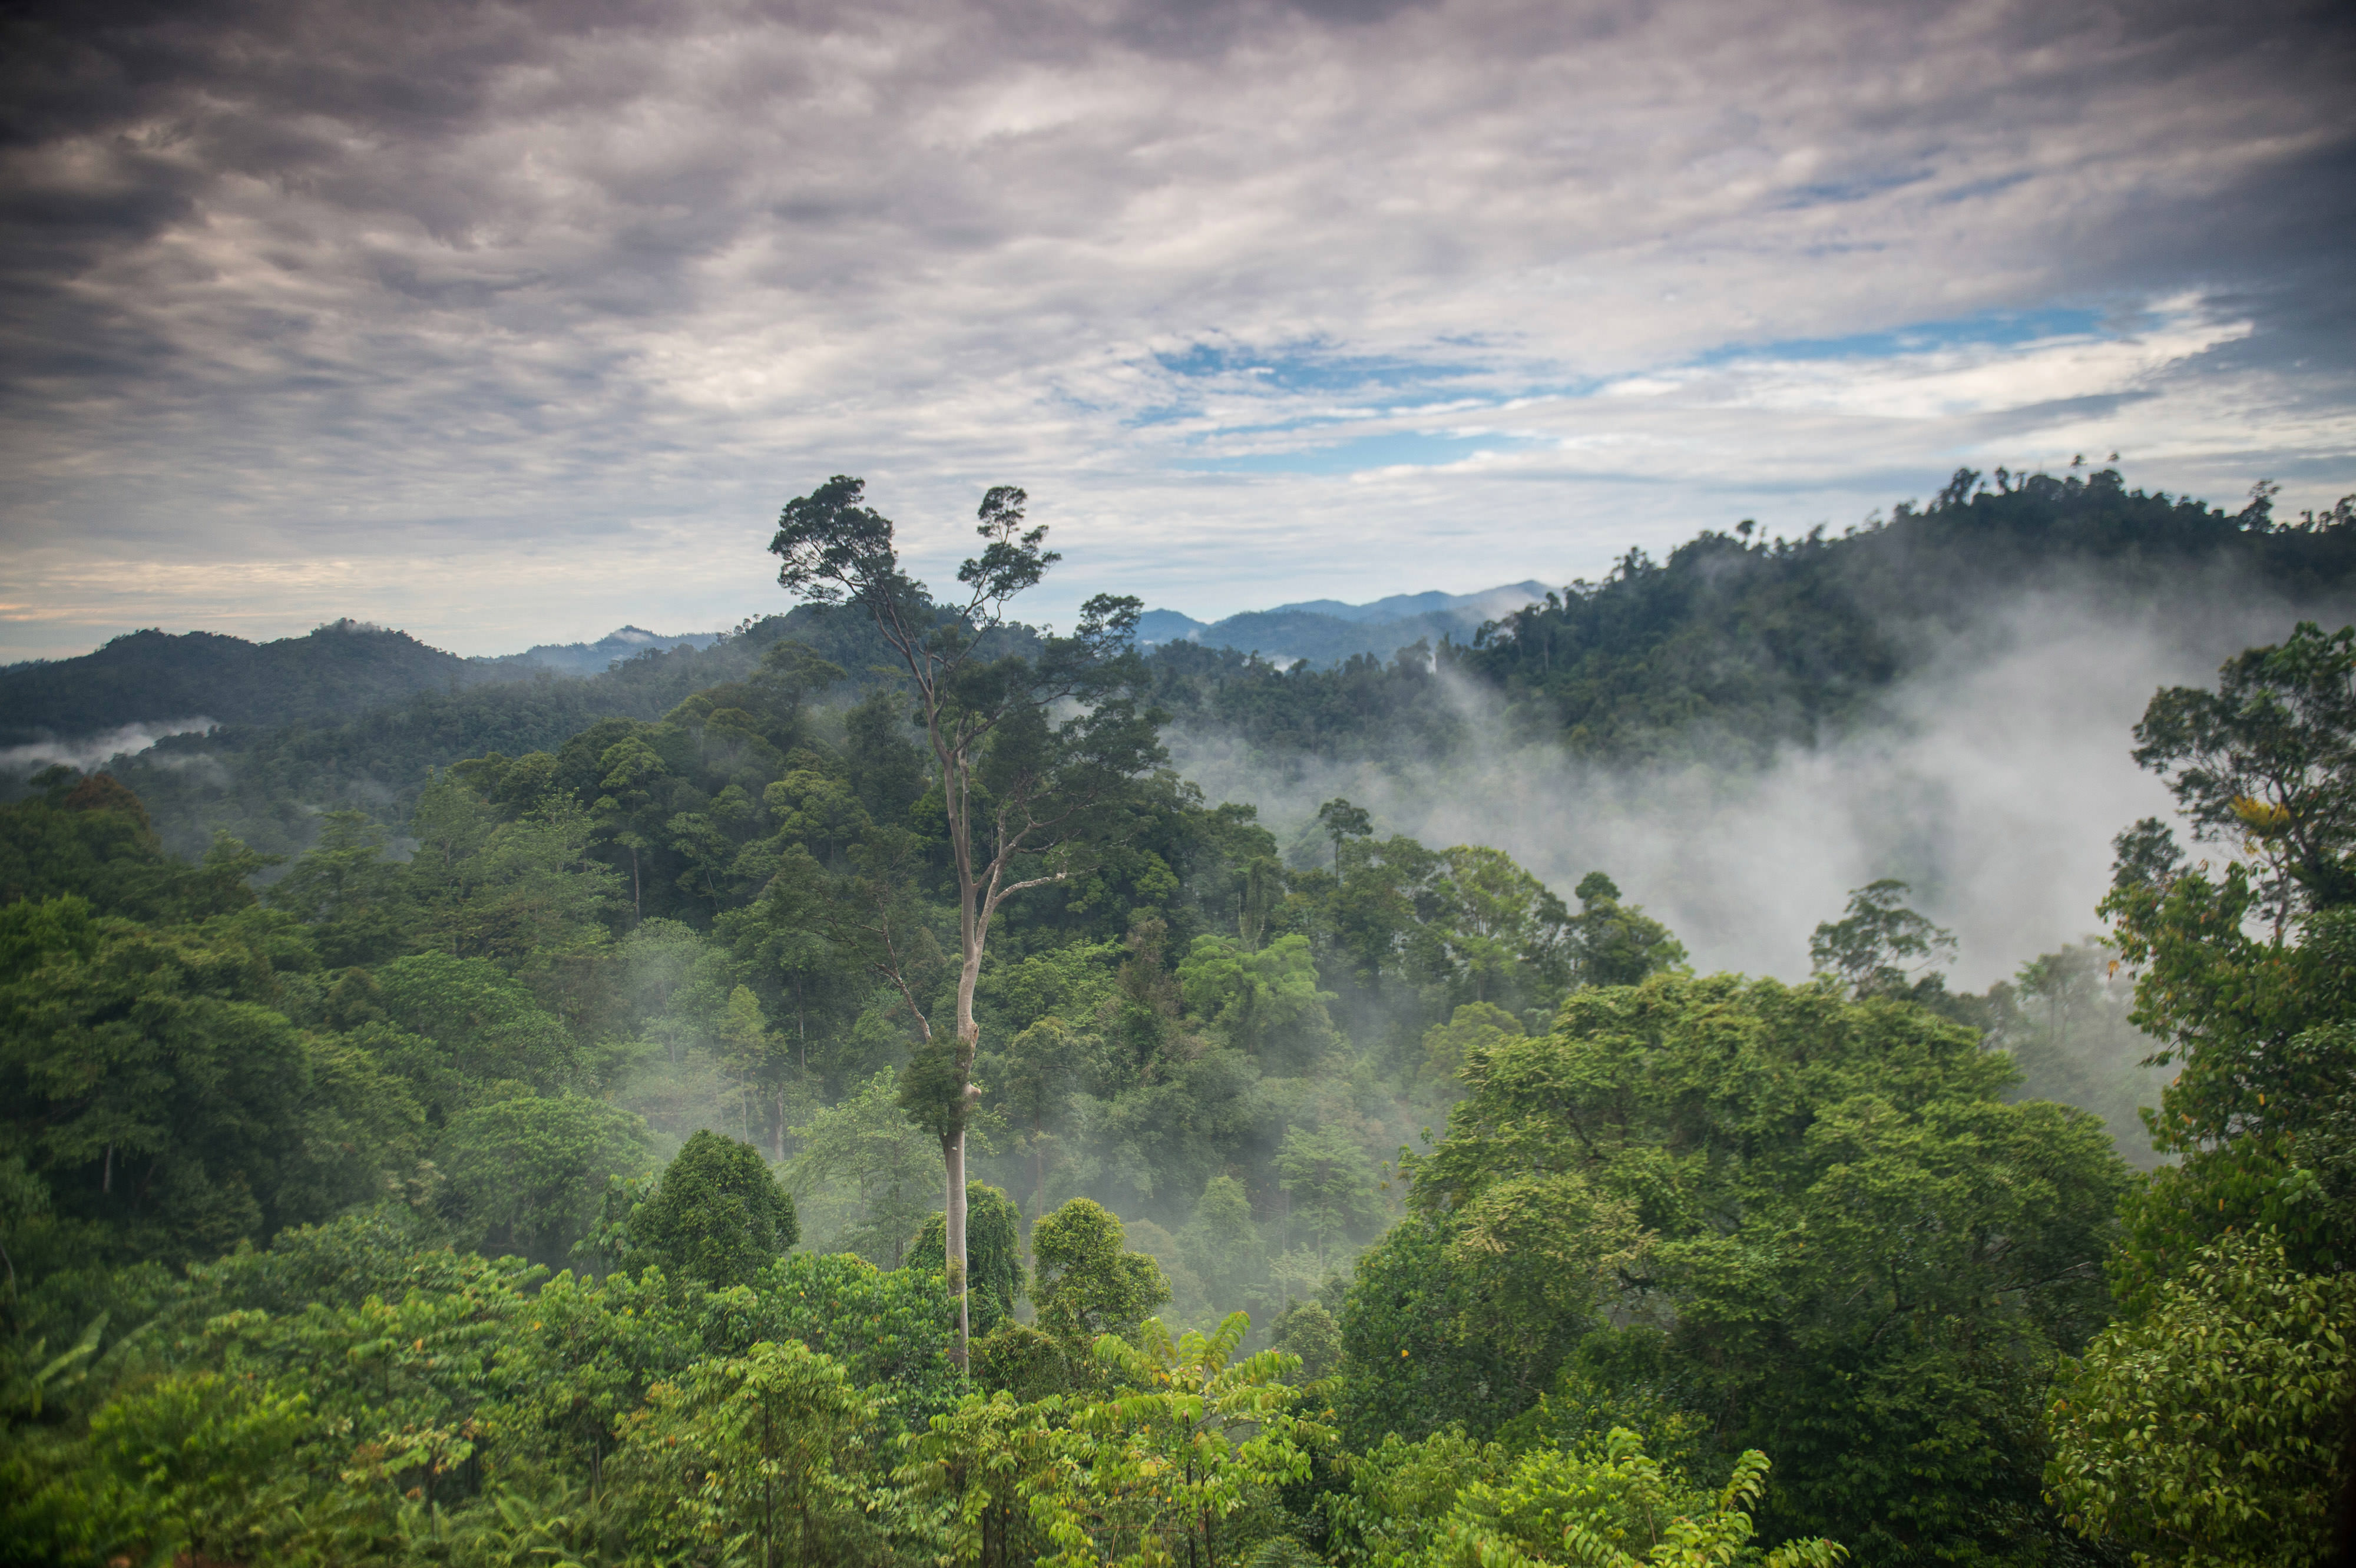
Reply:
x=529 y=1125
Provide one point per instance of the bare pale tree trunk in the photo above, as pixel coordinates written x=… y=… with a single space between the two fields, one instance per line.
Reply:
x=973 y=930
x=953 y=1157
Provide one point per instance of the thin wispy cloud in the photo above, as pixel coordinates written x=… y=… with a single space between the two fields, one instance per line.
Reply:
x=510 y=324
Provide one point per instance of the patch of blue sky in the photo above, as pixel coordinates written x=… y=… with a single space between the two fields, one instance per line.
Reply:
x=1990 y=329
x=1312 y=368
x=1971 y=190
x=1833 y=192
x=1403 y=448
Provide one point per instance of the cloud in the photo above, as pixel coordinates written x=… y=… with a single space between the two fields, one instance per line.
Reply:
x=528 y=317
x=90 y=752
x=1994 y=787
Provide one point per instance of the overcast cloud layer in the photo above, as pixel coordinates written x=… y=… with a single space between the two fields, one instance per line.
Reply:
x=509 y=323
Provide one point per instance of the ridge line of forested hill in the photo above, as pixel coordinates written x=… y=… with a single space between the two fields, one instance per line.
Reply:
x=1732 y=638
x=151 y=676
x=1737 y=642
x=265 y=784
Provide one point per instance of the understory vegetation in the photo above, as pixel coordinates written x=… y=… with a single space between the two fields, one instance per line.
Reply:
x=552 y=1161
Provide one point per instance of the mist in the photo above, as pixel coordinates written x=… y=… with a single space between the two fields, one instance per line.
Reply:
x=1993 y=784
x=89 y=753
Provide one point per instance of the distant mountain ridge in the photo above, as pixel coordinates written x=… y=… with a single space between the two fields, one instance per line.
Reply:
x=323 y=677
x=346 y=667
x=597 y=658
x=1326 y=631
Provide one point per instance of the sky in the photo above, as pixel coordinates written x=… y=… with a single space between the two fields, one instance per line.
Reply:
x=511 y=324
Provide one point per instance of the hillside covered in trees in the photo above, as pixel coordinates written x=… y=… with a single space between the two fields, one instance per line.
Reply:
x=532 y=1134
x=1736 y=642
x=153 y=678
x=1730 y=646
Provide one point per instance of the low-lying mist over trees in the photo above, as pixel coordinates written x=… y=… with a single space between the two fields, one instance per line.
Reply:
x=1767 y=1057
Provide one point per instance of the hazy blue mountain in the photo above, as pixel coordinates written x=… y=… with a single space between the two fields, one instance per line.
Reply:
x=595 y=658
x=1157 y=627
x=1325 y=631
x=1487 y=604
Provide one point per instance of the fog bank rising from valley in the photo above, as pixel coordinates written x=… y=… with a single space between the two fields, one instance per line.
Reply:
x=1994 y=787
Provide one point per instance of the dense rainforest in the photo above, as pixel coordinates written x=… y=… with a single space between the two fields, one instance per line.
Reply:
x=518 y=1130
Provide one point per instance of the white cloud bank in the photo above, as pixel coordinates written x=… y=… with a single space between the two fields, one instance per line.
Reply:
x=1995 y=791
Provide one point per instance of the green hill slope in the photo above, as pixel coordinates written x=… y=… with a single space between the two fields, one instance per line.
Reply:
x=146 y=676
x=1737 y=643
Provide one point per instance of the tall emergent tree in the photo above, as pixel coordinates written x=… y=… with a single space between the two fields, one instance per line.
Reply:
x=1032 y=755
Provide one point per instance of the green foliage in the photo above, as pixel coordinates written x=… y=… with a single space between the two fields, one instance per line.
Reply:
x=485 y=1024
x=1880 y=947
x=987 y=1460
x=334 y=671
x=1736 y=643
x=177 y=1458
x=1613 y=943
x=1037 y=762
x=1446 y=1499
x=2209 y=1425
x=1184 y=1458
x=1331 y=1184
x=2063 y=1019
x=2211 y=1429
x=1219 y=1241
x=2267 y=762
x=154 y=1089
x=348 y=892
x=889 y=1328
x=1019 y=1360
x=521 y=891
x=364 y=746
x=993 y=1240
x=1086 y=1284
x=1266 y=1003
x=866 y=1148
x=1446 y=1502
x=2248 y=983
x=1470 y=1029
x=528 y=1171
x=719 y=894
x=1509 y=938
x=89 y=838
x=1857 y=1251
x=1765 y=642
x=757 y=1457
x=1344 y=821
x=1309 y=1334
x=718 y=1216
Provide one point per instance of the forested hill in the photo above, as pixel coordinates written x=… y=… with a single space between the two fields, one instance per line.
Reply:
x=265 y=780
x=338 y=669
x=1733 y=641
x=1771 y=641
x=150 y=676
x=1326 y=631
x=1736 y=638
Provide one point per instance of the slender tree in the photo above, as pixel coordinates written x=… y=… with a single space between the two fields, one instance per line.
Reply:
x=1033 y=753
